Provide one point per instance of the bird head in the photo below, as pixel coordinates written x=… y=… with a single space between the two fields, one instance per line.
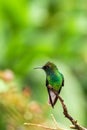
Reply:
x=48 y=67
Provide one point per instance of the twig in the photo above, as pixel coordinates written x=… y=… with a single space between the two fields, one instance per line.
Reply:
x=67 y=115
x=45 y=127
x=75 y=125
x=55 y=122
x=39 y=125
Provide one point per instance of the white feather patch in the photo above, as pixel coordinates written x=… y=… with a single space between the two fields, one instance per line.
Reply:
x=53 y=96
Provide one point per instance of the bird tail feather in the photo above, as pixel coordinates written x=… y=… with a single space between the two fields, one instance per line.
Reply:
x=52 y=97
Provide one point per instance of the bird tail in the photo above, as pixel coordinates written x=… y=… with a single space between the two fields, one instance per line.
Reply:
x=52 y=97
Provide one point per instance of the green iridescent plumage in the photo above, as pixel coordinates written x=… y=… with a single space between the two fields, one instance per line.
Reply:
x=54 y=81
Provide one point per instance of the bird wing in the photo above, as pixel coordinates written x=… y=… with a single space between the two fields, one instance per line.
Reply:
x=62 y=79
x=52 y=94
x=62 y=85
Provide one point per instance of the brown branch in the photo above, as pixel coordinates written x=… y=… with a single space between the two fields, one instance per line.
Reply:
x=68 y=116
x=74 y=122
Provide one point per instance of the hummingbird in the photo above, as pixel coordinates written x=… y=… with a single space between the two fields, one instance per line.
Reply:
x=54 y=81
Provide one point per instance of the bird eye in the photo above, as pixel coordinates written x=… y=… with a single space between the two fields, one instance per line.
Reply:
x=47 y=67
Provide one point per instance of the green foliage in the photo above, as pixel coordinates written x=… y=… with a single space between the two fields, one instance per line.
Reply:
x=33 y=32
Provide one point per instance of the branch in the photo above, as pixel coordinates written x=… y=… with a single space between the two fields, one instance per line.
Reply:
x=74 y=122
x=45 y=127
x=55 y=123
x=69 y=117
x=40 y=126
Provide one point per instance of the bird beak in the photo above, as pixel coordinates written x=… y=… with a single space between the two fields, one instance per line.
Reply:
x=38 y=68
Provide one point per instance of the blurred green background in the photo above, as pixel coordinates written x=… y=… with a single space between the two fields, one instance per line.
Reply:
x=33 y=32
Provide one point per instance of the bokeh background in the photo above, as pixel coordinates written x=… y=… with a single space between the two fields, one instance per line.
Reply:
x=33 y=32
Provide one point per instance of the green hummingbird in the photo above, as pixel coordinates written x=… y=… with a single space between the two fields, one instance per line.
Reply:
x=54 y=81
